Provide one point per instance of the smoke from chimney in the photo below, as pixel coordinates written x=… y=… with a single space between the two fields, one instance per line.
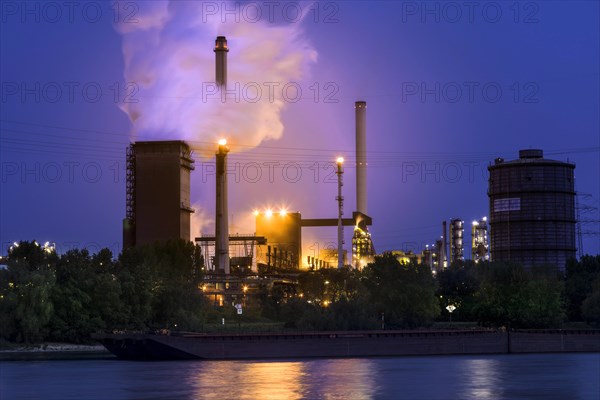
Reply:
x=170 y=66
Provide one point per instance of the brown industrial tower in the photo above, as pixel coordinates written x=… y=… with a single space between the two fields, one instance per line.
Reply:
x=158 y=192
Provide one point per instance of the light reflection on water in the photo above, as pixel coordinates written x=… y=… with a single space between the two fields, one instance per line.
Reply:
x=275 y=380
x=482 y=379
x=545 y=376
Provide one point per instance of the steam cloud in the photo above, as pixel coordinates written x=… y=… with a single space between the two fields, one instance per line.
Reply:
x=168 y=54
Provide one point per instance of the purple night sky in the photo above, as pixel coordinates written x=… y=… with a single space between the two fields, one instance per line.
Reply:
x=449 y=87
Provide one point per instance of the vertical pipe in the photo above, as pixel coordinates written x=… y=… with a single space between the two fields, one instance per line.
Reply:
x=340 y=200
x=361 y=156
x=221 y=222
x=221 y=51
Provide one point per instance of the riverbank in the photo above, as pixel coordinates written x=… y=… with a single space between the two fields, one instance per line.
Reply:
x=53 y=351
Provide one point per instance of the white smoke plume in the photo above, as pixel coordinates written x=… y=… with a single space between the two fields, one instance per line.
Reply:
x=201 y=221
x=168 y=54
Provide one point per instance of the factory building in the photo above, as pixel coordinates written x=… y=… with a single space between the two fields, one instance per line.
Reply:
x=283 y=249
x=157 y=192
x=532 y=210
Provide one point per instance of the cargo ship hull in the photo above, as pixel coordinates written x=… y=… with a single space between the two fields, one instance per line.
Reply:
x=343 y=344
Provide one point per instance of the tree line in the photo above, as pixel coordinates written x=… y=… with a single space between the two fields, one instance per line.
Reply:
x=50 y=297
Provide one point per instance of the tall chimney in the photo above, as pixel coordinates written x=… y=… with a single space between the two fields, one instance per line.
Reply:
x=361 y=156
x=444 y=253
x=221 y=51
x=221 y=220
x=340 y=200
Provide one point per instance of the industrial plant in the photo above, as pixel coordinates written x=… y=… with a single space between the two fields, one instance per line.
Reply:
x=532 y=210
x=157 y=192
x=531 y=220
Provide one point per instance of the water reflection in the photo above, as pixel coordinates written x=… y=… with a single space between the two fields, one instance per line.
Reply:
x=482 y=379
x=341 y=379
x=249 y=380
x=526 y=376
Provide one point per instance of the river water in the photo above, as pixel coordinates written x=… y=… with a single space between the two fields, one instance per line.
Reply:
x=528 y=376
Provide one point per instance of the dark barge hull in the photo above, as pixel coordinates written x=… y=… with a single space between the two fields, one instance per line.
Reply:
x=344 y=344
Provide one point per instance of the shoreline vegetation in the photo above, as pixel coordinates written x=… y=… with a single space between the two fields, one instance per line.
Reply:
x=50 y=298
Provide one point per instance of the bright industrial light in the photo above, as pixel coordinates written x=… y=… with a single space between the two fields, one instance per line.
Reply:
x=475 y=223
x=282 y=212
x=484 y=218
x=340 y=160
x=245 y=288
x=256 y=212
x=269 y=213
x=223 y=142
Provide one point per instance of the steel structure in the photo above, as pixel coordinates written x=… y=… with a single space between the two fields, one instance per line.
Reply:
x=456 y=240
x=241 y=246
x=129 y=221
x=479 y=241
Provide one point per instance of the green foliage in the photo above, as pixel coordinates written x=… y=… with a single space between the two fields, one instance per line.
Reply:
x=404 y=293
x=579 y=279
x=47 y=297
x=511 y=296
x=25 y=290
x=160 y=283
x=43 y=296
x=590 y=308
x=458 y=285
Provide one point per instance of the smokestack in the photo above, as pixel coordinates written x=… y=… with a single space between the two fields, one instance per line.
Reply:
x=221 y=51
x=444 y=257
x=361 y=156
x=221 y=220
x=340 y=200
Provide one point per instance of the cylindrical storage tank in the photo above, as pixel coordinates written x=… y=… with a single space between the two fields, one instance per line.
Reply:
x=532 y=210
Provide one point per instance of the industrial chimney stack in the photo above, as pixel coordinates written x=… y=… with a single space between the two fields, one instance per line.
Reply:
x=221 y=221
x=361 y=156
x=444 y=252
x=221 y=51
